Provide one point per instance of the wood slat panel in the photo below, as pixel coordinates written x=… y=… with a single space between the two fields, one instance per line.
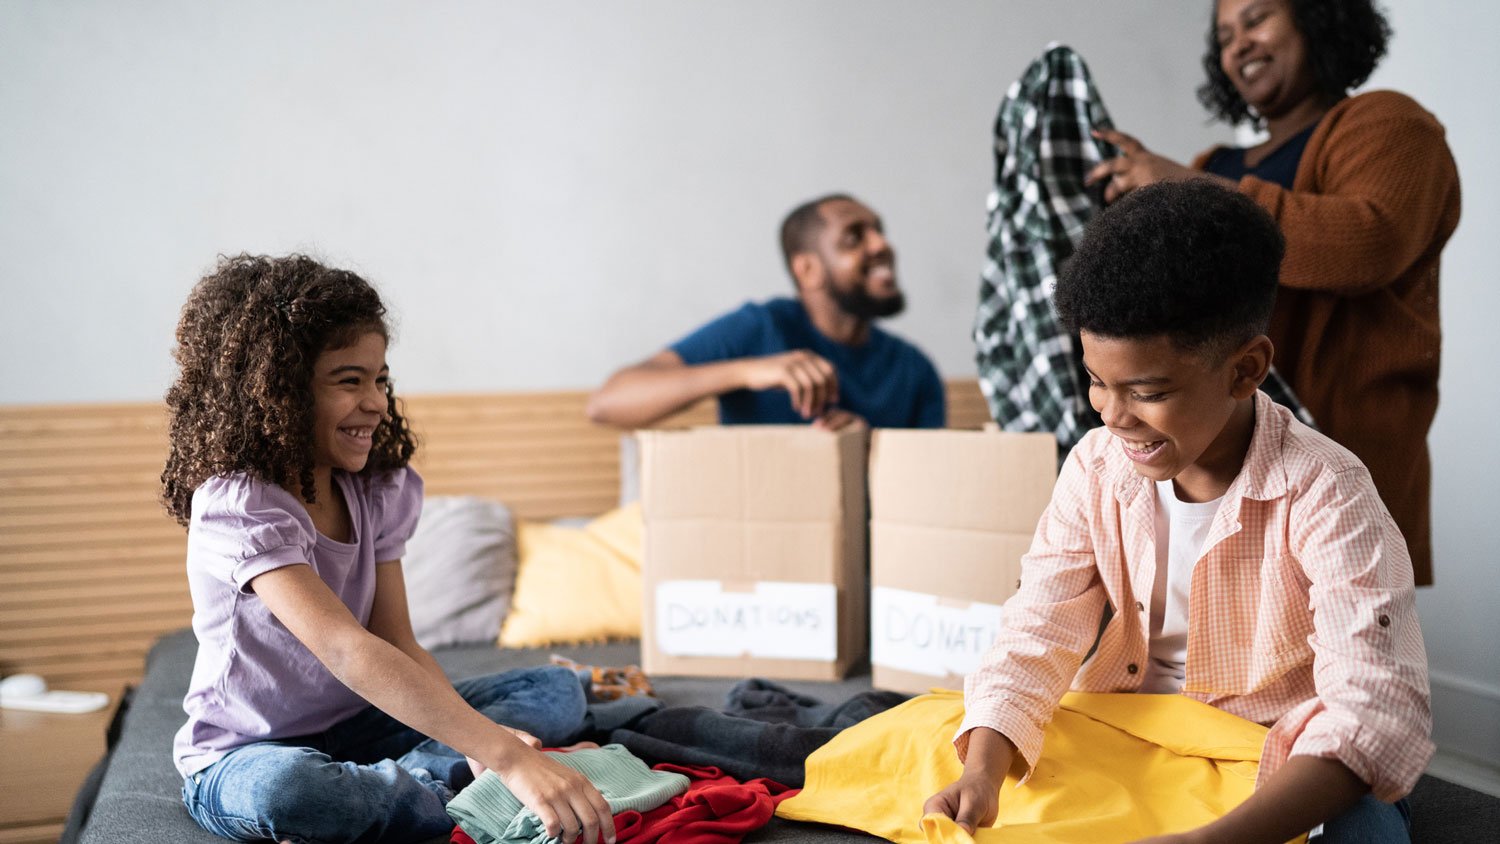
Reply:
x=92 y=569
x=73 y=629
x=91 y=557
x=179 y=606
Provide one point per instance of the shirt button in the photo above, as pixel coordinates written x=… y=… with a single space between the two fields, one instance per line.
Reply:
x=1139 y=607
x=1132 y=668
x=1385 y=621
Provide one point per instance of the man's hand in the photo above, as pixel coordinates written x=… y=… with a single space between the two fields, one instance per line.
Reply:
x=1135 y=167
x=810 y=379
x=837 y=419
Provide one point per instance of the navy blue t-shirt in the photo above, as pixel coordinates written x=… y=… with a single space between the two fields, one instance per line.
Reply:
x=1278 y=168
x=887 y=381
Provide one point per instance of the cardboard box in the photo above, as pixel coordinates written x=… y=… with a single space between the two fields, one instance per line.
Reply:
x=952 y=513
x=755 y=552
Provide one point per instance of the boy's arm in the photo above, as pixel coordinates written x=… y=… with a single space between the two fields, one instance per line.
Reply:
x=1047 y=626
x=1044 y=631
x=640 y=395
x=1303 y=793
x=1372 y=707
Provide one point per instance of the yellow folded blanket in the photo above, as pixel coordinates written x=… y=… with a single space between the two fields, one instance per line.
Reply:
x=1114 y=767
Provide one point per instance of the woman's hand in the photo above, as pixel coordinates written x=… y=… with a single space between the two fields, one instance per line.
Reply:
x=1135 y=167
x=568 y=805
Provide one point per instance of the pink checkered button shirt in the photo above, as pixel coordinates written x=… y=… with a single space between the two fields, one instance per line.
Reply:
x=1302 y=612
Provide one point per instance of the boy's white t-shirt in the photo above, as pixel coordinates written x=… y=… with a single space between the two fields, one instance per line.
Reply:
x=1181 y=529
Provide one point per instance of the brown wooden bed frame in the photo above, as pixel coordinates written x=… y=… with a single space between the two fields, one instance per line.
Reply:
x=91 y=567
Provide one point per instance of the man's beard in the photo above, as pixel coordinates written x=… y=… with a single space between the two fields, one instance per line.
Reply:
x=861 y=305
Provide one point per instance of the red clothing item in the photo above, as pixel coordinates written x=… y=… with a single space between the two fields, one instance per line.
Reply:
x=716 y=809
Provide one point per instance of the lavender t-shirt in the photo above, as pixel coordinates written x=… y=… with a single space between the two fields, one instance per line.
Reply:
x=253 y=680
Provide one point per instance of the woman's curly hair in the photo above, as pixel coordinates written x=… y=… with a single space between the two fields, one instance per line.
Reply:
x=1345 y=40
x=249 y=335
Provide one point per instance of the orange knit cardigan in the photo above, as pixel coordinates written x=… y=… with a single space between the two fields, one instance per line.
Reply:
x=1375 y=198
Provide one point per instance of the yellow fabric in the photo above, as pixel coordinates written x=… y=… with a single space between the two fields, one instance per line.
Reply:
x=576 y=584
x=1114 y=767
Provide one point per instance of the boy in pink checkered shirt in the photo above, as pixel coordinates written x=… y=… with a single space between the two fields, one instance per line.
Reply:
x=1244 y=559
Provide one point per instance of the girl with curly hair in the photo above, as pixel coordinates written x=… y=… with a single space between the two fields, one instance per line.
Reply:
x=313 y=714
x=1366 y=192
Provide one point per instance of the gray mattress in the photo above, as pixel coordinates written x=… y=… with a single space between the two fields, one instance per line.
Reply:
x=138 y=799
x=138 y=791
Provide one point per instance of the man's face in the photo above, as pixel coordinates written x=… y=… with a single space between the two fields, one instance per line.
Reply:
x=859 y=266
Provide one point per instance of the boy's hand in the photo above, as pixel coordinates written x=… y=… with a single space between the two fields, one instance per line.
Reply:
x=972 y=802
x=568 y=805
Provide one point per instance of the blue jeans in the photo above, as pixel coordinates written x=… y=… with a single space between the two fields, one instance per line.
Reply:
x=1371 y=821
x=371 y=777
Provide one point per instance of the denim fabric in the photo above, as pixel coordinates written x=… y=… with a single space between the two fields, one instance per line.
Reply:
x=371 y=778
x=1371 y=821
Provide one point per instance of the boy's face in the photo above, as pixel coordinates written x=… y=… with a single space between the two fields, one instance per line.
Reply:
x=1178 y=415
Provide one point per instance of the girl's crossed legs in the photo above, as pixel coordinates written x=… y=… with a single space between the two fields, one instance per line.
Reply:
x=371 y=777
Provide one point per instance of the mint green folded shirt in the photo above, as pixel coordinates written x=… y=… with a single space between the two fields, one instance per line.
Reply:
x=491 y=814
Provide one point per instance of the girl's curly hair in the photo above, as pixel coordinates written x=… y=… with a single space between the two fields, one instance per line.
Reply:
x=1345 y=40
x=249 y=335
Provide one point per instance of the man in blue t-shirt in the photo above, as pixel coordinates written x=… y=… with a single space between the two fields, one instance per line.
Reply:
x=815 y=358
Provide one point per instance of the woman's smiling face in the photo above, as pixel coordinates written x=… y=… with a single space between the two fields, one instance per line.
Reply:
x=1264 y=54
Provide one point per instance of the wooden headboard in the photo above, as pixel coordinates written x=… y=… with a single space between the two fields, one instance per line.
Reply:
x=91 y=567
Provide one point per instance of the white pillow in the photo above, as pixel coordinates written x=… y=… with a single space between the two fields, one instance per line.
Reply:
x=460 y=570
x=630 y=470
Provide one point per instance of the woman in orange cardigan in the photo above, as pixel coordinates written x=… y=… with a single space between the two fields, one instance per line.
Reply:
x=1366 y=192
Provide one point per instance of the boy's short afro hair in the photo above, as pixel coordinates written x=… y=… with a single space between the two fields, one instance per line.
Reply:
x=1190 y=260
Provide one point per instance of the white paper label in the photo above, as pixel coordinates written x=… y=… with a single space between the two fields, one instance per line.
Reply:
x=911 y=631
x=776 y=621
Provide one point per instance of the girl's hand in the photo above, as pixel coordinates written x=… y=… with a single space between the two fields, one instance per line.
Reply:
x=1135 y=167
x=526 y=738
x=565 y=801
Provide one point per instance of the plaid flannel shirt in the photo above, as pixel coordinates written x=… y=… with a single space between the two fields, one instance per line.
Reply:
x=1030 y=368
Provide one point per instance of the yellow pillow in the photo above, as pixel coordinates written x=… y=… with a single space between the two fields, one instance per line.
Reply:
x=576 y=584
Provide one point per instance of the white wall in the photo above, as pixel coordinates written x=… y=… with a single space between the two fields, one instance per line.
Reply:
x=1441 y=56
x=545 y=190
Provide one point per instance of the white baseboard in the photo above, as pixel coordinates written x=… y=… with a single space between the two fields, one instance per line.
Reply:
x=1461 y=771
x=1466 y=730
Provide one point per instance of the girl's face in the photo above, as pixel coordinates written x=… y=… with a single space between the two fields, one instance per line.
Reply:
x=1263 y=54
x=349 y=402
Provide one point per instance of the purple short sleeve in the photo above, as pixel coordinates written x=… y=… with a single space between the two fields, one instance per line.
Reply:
x=242 y=528
x=397 y=503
